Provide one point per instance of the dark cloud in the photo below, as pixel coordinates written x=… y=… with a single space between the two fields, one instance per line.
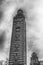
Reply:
x=1 y=15
x=2 y=40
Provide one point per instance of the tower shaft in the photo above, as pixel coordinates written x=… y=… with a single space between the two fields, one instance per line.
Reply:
x=17 y=54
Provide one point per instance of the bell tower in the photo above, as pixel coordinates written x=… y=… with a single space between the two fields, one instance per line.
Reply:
x=17 y=54
x=34 y=59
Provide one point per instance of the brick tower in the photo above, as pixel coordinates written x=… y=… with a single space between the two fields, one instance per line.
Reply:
x=34 y=59
x=17 y=54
